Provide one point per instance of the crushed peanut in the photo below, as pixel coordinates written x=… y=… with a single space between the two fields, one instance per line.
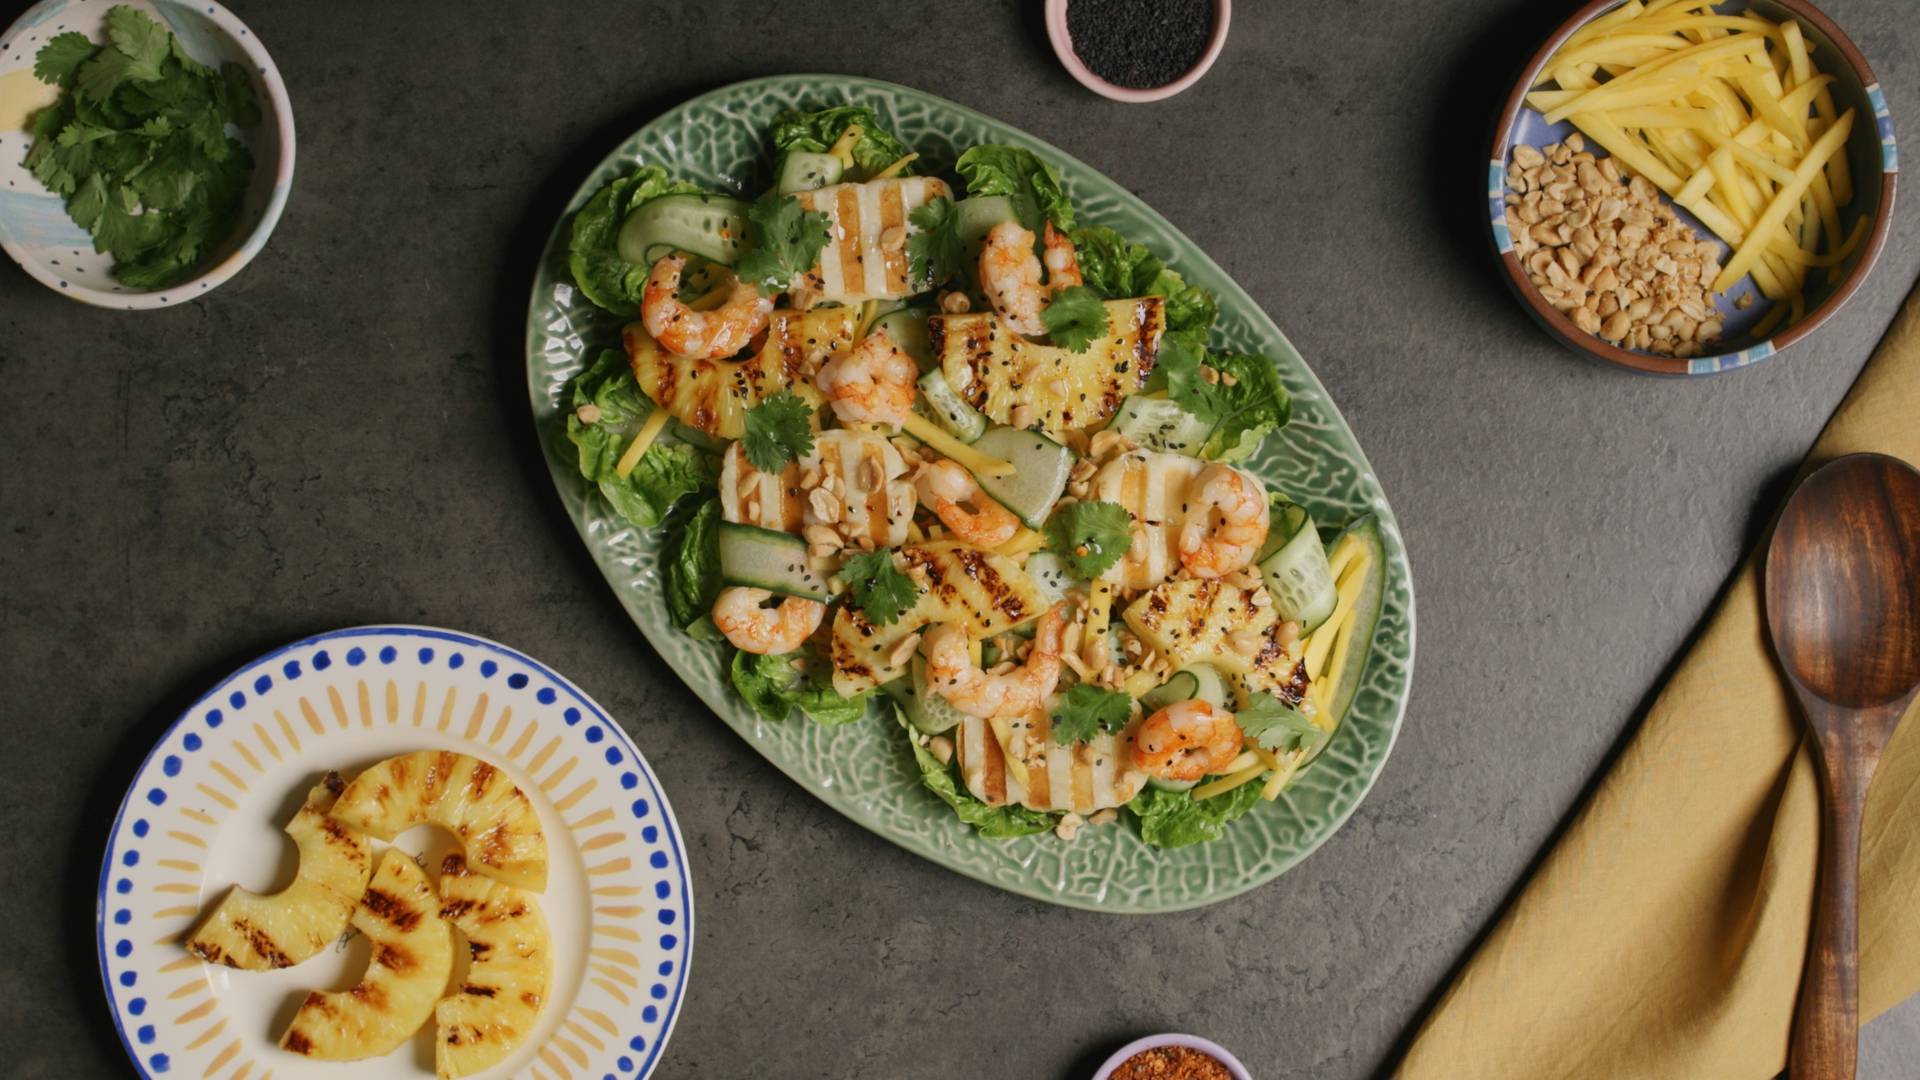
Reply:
x=955 y=303
x=1609 y=254
x=588 y=413
x=941 y=748
x=1069 y=826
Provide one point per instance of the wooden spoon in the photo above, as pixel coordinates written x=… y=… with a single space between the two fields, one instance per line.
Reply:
x=1843 y=604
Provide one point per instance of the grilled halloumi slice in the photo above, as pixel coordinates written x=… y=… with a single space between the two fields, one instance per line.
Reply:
x=1196 y=620
x=258 y=933
x=494 y=1009
x=1152 y=486
x=995 y=370
x=714 y=395
x=751 y=497
x=1083 y=778
x=866 y=253
x=982 y=592
x=874 y=498
x=412 y=957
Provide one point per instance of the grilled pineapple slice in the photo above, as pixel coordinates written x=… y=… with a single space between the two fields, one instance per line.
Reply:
x=494 y=1010
x=983 y=592
x=714 y=395
x=1193 y=620
x=996 y=370
x=257 y=933
x=466 y=796
x=412 y=958
x=858 y=262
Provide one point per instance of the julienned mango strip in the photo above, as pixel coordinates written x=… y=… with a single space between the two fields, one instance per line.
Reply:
x=1689 y=65
x=1830 y=143
x=1614 y=139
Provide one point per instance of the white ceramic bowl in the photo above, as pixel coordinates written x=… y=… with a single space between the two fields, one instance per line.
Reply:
x=1206 y=1046
x=34 y=227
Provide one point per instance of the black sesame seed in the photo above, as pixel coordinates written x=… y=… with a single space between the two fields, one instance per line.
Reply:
x=1140 y=43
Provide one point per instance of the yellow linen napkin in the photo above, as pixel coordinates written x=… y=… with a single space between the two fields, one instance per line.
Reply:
x=1664 y=935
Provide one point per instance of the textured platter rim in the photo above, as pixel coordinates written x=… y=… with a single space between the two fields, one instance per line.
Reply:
x=233 y=686
x=718 y=699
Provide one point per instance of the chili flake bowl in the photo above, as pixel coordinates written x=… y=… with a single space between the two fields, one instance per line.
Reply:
x=1871 y=156
x=35 y=229
x=1062 y=41
x=1194 y=1042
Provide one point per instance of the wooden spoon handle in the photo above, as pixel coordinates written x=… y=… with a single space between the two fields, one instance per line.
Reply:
x=1826 y=1027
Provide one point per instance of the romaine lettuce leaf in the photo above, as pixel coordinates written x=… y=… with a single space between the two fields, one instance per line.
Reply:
x=666 y=473
x=1032 y=184
x=593 y=251
x=691 y=563
x=1113 y=266
x=992 y=822
x=1189 y=307
x=1250 y=409
x=816 y=132
x=771 y=685
x=1171 y=819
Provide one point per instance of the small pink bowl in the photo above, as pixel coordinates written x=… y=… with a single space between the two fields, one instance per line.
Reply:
x=1194 y=1042
x=1063 y=48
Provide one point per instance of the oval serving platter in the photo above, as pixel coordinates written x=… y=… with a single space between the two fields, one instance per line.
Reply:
x=207 y=807
x=865 y=770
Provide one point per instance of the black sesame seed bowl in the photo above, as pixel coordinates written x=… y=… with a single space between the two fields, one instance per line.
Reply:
x=1137 y=50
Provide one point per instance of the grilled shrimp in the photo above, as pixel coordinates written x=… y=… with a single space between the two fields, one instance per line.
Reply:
x=1186 y=741
x=1010 y=275
x=871 y=383
x=956 y=499
x=740 y=614
x=951 y=672
x=1226 y=522
x=704 y=335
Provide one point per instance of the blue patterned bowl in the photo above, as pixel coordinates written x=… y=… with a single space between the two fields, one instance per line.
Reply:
x=34 y=227
x=1871 y=156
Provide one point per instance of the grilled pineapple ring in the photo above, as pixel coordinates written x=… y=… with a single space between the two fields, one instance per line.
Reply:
x=494 y=1010
x=473 y=800
x=412 y=958
x=977 y=590
x=995 y=370
x=258 y=933
x=714 y=395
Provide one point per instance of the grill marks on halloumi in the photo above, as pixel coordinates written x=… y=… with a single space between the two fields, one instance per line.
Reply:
x=876 y=501
x=858 y=264
x=1152 y=486
x=1083 y=778
x=751 y=497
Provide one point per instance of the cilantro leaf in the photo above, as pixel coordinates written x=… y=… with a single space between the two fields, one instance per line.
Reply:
x=1086 y=710
x=140 y=39
x=61 y=57
x=934 y=253
x=235 y=94
x=1075 y=317
x=1177 y=371
x=878 y=586
x=1278 y=726
x=784 y=242
x=779 y=430
x=1090 y=536
x=99 y=77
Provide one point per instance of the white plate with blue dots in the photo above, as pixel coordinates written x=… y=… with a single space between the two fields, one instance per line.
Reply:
x=208 y=805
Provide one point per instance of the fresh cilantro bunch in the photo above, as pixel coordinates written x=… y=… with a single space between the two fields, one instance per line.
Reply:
x=784 y=241
x=878 y=587
x=779 y=430
x=1090 y=536
x=1087 y=710
x=138 y=145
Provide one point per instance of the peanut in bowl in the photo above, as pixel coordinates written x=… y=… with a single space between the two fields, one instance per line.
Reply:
x=1684 y=188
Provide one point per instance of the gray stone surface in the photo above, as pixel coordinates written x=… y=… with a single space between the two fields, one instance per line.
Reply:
x=340 y=436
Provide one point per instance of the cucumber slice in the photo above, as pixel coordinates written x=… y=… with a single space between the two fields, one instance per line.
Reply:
x=805 y=172
x=949 y=410
x=1296 y=571
x=908 y=329
x=768 y=559
x=1365 y=617
x=974 y=218
x=1040 y=472
x=1050 y=574
x=1161 y=424
x=710 y=226
x=1202 y=681
x=926 y=709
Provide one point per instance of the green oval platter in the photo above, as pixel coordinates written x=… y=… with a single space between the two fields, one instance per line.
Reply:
x=864 y=770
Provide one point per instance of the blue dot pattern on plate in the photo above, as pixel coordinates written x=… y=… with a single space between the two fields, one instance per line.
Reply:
x=241 y=698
